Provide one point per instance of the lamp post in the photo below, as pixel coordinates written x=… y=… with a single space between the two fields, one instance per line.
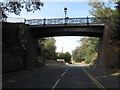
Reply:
x=65 y=11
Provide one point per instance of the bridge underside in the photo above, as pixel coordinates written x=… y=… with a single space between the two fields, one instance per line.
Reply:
x=92 y=31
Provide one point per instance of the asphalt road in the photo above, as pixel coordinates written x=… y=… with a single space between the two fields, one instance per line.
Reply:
x=72 y=76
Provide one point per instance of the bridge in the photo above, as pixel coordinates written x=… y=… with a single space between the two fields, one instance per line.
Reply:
x=26 y=33
x=93 y=26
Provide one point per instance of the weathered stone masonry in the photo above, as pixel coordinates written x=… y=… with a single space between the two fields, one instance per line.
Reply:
x=19 y=47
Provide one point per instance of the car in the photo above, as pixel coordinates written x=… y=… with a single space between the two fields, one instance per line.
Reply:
x=69 y=62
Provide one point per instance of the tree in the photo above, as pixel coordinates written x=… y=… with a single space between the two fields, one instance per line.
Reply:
x=67 y=57
x=115 y=25
x=50 y=48
x=77 y=55
x=10 y=6
x=87 y=50
x=100 y=9
x=60 y=55
x=41 y=45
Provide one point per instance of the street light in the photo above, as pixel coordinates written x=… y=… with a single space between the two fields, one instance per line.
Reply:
x=65 y=11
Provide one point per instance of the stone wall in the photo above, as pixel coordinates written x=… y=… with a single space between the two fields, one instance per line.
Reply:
x=19 y=48
x=108 y=52
x=12 y=51
x=12 y=59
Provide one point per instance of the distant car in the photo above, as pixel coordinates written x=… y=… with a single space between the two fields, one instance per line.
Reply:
x=69 y=62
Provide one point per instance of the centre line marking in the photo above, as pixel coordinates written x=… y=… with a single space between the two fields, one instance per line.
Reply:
x=66 y=70
x=55 y=84
x=59 y=80
x=63 y=74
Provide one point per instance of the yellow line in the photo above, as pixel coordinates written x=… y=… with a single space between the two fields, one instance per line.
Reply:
x=94 y=80
x=106 y=86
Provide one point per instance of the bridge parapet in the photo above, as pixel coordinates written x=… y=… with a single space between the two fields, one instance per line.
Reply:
x=66 y=21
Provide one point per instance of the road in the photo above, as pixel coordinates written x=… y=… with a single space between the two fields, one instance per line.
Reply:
x=69 y=76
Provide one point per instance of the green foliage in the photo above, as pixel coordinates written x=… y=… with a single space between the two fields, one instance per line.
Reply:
x=16 y=7
x=76 y=55
x=67 y=57
x=40 y=49
x=115 y=25
x=100 y=9
x=88 y=47
x=48 y=48
x=60 y=55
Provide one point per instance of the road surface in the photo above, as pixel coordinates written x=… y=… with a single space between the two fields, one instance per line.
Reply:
x=69 y=76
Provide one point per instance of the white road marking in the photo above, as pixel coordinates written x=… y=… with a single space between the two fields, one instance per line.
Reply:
x=59 y=79
x=63 y=74
x=56 y=84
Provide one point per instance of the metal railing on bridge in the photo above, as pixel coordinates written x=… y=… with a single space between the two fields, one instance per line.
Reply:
x=66 y=21
x=13 y=20
x=59 y=21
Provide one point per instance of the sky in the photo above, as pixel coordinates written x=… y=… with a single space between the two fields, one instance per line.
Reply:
x=56 y=10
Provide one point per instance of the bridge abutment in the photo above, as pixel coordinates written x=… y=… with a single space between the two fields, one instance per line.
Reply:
x=108 y=52
x=31 y=53
x=19 y=47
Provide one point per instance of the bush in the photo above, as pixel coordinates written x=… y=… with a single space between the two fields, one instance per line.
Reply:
x=87 y=61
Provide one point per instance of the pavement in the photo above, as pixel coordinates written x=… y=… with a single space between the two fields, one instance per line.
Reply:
x=64 y=76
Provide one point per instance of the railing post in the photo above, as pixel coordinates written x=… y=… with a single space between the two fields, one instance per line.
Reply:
x=87 y=21
x=24 y=20
x=44 y=23
x=66 y=20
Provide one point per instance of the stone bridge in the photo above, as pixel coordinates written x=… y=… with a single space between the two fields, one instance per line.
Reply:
x=33 y=29
x=67 y=27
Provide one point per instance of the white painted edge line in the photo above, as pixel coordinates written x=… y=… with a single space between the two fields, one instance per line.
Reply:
x=66 y=70
x=55 y=84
